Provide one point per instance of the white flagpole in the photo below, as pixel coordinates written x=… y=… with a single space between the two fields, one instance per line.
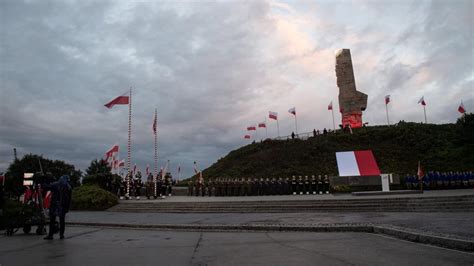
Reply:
x=129 y=153
x=296 y=126
x=278 y=127
x=266 y=131
x=333 y=122
x=424 y=110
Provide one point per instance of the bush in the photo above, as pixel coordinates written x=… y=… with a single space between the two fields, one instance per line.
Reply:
x=10 y=210
x=91 y=197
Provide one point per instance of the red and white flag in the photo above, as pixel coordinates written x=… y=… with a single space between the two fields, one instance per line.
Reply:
x=422 y=101
x=111 y=152
x=330 y=106
x=387 y=99
x=273 y=115
x=247 y=137
x=252 y=127
x=420 y=172
x=292 y=111
x=461 y=108
x=155 y=122
x=262 y=124
x=195 y=168
x=122 y=99
x=357 y=163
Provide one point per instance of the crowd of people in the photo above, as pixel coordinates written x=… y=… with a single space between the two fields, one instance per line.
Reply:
x=222 y=187
x=441 y=180
x=154 y=188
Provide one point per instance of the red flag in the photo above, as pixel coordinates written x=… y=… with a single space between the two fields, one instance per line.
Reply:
x=387 y=99
x=110 y=153
x=420 y=171
x=247 y=137
x=330 y=106
x=461 y=108
x=292 y=111
x=122 y=99
x=273 y=115
x=249 y=128
x=262 y=124
x=154 y=124
x=422 y=100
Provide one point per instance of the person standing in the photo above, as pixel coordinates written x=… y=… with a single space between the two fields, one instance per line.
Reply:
x=61 y=193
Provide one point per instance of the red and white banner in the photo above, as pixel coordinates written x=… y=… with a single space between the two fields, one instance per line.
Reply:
x=330 y=106
x=247 y=137
x=461 y=108
x=122 y=99
x=262 y=124
x=273 y=115
x=253 y=127
x=357 y=163
x=111 y=152
x=387 y=99
x=422 y=101
x=292 y=111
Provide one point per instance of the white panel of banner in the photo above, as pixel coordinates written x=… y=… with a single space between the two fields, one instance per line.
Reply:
x=347 y=164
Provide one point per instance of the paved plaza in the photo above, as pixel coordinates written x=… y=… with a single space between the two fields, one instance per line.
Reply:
x=102 y=246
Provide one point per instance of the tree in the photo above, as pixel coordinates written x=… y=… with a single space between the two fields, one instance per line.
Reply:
x=32 y=163
x=98 y=167
x=98 y=173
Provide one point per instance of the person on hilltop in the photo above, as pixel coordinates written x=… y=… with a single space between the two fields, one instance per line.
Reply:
x=61 y=193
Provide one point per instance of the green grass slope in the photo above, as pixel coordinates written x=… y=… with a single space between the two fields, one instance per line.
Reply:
x=397 y=149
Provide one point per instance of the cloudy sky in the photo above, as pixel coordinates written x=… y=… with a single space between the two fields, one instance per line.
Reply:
x=211 y=68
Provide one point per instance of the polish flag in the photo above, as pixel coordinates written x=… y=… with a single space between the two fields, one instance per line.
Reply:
x=357 y=163
x=330 y=106
x=461 y=108
x=420 y=172
x=110 y=153
x=422 y=100
x=292 y=110
x=249 y=128
x=262 y=124
x=247 y=137
x=122 y=99
x=273 y=115
x=387 y=99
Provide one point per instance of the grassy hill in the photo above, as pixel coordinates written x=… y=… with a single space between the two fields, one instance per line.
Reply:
x=397 y=149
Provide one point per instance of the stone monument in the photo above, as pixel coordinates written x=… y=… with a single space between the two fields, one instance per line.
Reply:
x=351 y=101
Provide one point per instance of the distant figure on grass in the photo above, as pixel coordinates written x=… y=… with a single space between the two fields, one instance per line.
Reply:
x=314 y=132
x=292 y=135
x=325 y=131
x=60 y=202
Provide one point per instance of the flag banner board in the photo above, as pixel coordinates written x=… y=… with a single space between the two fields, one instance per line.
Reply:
x=357 y=163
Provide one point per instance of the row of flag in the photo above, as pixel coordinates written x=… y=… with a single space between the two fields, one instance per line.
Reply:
x=274 y=115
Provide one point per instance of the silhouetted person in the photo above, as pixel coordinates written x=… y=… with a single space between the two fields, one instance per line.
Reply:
x=60 y=202
x=325 y=131
x=314 y=132
x=292 y=135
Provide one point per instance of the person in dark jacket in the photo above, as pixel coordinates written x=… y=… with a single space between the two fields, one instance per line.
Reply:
x=61 y=193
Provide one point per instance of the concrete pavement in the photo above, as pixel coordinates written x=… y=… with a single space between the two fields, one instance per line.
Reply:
x=100 y=246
